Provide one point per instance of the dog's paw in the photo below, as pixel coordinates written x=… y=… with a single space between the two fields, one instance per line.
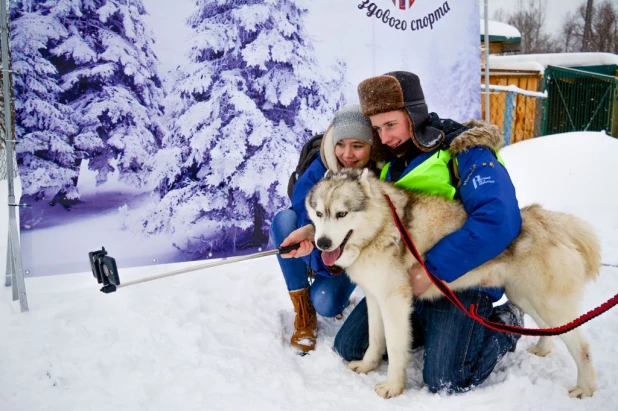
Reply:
x=582 y=392
x=389 y=389
x=538 y=350
x=362 y=367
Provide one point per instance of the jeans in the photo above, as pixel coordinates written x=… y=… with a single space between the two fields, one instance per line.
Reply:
x=460 y=353
x=329 y=294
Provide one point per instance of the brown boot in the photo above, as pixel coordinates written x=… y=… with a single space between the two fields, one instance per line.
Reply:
x=306 y=322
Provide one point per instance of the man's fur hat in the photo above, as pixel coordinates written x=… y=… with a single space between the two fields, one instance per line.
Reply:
x=400 y=90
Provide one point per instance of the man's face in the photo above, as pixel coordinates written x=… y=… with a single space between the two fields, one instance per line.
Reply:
x=393 y=127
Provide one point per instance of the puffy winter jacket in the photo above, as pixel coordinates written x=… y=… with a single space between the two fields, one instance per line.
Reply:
x=486 y=192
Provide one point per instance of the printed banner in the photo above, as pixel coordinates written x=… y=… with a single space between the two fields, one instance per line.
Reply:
x=167 y=133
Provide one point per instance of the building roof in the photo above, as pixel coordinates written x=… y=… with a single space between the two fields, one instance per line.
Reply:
x=500 y=32
x=539 y=62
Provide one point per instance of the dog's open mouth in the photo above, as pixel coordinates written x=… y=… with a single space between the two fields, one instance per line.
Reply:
x=329 y=257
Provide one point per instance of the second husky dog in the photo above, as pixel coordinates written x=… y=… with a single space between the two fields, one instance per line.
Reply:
x=543 y=271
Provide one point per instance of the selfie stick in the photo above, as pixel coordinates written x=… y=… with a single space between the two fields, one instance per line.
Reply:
x=105 y=271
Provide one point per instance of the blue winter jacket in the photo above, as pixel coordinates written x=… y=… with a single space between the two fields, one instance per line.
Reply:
x=305 y=183
x=488 y=195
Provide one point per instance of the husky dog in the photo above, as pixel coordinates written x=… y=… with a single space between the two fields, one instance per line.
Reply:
x=543 y=271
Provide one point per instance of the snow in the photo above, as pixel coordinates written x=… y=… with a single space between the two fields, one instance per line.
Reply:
x=515 y=65
x=496 y=28
x=552 y=59
x=217 y=339
x=513 y=88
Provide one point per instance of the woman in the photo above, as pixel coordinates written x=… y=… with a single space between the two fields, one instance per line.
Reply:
x=347 y=143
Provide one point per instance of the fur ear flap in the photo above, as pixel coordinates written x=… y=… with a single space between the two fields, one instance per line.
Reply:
x=364 y=182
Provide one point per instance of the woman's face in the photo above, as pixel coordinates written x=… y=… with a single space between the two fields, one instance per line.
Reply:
x=353 y=153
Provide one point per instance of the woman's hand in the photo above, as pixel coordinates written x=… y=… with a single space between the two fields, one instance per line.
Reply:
x=418 y=279
x=302 y=236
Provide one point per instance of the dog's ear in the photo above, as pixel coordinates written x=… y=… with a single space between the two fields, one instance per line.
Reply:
x=329 y=173
x=363 y=179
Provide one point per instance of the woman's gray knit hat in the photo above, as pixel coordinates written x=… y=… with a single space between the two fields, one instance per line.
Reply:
x=349 y=122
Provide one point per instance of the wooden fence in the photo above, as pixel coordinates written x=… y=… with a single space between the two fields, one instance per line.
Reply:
x=518 y=114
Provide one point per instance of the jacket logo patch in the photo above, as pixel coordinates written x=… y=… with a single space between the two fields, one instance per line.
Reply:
x=478 y=181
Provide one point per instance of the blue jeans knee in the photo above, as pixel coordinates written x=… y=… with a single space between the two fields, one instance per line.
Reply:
x=460 y=353
x=284 y=222
x=352 y=340
x=330 y=295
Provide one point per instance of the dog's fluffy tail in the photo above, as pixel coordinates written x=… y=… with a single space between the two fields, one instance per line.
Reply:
x=586 y=242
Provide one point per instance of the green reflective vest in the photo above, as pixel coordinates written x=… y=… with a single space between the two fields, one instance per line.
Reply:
x=432 y=176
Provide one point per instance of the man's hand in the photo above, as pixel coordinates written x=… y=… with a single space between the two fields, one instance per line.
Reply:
x=419 y=279
x=303 y=236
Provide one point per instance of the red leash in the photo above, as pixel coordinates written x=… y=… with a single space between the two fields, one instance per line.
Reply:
x=450 y=295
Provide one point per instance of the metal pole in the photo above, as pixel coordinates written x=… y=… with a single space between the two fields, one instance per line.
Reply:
x=486 y=41
x=9 y=277
x=15 y=251
x=201 y=267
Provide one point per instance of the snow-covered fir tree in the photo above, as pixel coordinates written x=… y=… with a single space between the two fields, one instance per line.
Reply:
x=464 y=95
x=453 y=90
x=107 y=74
x=250 y=96
x=45 y=153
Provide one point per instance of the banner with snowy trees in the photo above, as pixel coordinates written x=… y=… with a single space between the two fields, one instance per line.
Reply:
x=166 y=131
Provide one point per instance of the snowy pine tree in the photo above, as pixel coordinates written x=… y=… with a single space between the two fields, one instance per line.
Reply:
x=464 y=95
x=453 y=90
x=45 y=153
x=107 y=74
x=242 y=107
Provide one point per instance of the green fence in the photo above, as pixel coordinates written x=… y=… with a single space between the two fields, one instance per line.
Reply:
x=580 y=100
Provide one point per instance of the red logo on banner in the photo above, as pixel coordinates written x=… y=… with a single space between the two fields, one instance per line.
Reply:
x=402 y=3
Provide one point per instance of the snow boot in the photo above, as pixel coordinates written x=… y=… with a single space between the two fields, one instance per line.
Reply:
x=306 y=321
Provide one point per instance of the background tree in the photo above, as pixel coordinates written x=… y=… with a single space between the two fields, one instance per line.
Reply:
x=529 y=19
x=45 y=153
x=99 y=72
x=240 y=111
x=587 y=26
x=603 y=35
x=571 y=38
x=460 y=101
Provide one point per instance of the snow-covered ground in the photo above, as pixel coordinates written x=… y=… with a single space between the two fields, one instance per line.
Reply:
x=217 y=339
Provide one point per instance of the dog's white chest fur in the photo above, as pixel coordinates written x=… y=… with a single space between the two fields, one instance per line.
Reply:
x=379 y=272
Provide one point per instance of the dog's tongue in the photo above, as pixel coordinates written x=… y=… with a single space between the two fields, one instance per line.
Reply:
x=329 y=257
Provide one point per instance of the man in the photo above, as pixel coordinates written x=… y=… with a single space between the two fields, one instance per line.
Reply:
x=442 y=157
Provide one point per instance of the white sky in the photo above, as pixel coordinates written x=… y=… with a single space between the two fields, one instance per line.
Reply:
x=217 y=339
x=556 y=10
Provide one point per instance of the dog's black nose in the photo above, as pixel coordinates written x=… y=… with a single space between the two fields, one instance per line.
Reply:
x=324 y=243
